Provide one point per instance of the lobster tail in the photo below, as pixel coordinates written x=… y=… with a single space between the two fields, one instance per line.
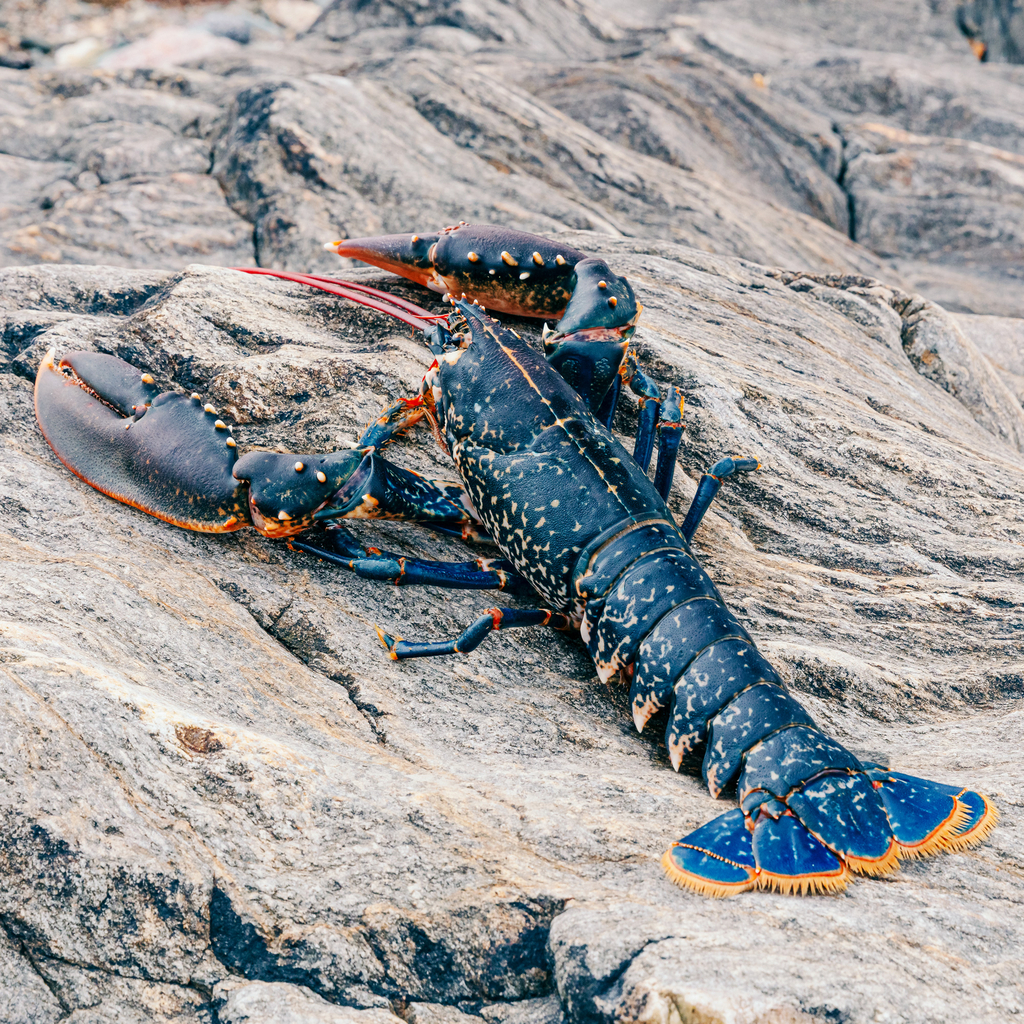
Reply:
x=928 y=817
x=717 y=859
x=815 y=815
x=810 y=814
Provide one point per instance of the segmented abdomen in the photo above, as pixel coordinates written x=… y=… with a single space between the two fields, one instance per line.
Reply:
x=664 y=618
x=810 y=812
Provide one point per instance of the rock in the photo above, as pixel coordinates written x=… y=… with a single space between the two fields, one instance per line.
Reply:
x=943 y=210
x=221 y=801
x=259 y=1002
x=24 y=995
x=277 y=801
x=80 y=54
x=1001 y=341
x=170 y=46
x=295 y=15
x=903 y=207
x=695 y=113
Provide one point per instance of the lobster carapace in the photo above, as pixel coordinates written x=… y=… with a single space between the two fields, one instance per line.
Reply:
x=577 y=521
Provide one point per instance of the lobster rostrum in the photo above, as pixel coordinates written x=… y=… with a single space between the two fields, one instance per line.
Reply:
x=577 y=521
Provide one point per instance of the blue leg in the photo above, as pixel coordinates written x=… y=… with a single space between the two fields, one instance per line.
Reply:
x=404 y=414
x=478 y=574
x=670 y=434
x=709 y=485
x=650 y=408
x=491 y=621
x=378 y=489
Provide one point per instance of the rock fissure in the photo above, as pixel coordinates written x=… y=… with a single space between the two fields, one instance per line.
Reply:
x=24 y=950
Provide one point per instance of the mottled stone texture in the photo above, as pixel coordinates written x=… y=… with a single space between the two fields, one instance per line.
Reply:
x=221 y=802
x=385 y=834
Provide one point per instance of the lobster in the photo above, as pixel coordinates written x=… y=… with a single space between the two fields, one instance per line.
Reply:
x=577 y=521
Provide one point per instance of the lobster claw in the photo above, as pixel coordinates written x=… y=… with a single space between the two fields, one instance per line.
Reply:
x=409 y=256
x=286 y=491
x=600 y=300
x=166 y=454
x=505 y=270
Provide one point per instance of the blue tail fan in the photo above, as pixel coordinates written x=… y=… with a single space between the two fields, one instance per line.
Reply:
x=928 y=817
x=716 y=860
x=791 y=860
x=981 y=817
x=846 y=813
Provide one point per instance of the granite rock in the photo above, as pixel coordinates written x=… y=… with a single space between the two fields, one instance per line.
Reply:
x=260 y=794
x=221 y=802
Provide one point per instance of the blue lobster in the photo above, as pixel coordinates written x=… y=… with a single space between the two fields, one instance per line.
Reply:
x=577 y=521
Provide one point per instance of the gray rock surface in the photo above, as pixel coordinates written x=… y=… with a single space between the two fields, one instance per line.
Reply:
x=259 y=793
x=743 y=130
x=221 y=802
x=1001 y=341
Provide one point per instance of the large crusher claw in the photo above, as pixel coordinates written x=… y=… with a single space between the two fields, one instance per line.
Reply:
x=167 y=454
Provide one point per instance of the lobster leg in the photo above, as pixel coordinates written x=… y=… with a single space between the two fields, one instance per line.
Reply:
x=394 y=421
x=491 y=621
x=478 y=574
x=650 y=409
x=606 y=413
x=670 y=433
x=379 y=489
x=709 y=486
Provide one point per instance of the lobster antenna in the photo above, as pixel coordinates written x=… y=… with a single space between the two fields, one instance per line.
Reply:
x=372 y=298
